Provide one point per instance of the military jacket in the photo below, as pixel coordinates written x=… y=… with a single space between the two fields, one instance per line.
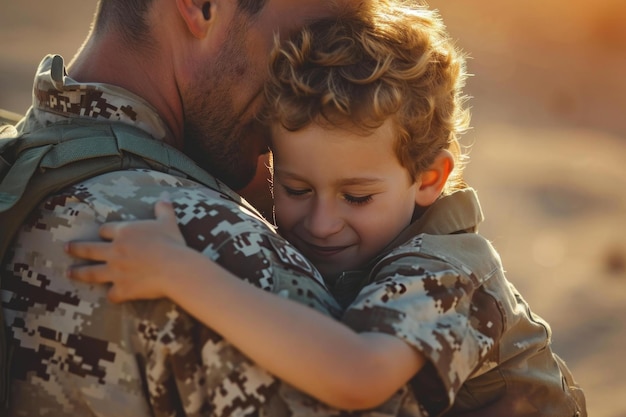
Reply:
x=440 y=287
x=75 y=354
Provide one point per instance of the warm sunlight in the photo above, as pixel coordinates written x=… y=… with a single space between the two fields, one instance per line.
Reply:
x=548 y=144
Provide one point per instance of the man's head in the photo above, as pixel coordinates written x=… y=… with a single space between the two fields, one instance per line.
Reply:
x=395 y=61
x=208 y=61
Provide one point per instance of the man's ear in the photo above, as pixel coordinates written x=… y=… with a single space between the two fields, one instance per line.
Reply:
x=197 y=14
x=433 y=179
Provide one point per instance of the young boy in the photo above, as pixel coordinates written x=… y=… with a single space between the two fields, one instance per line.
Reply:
x=367 y=184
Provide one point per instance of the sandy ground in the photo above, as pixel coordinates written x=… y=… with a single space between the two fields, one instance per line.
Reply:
x=547 y=156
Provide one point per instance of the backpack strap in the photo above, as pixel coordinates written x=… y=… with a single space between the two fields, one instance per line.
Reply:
x=50 y=159
x=67 y=154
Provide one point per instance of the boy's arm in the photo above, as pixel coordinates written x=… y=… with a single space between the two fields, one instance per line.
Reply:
x=303 y=347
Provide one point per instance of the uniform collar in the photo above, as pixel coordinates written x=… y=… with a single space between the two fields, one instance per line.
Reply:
x=457 y=212
x=57 y=97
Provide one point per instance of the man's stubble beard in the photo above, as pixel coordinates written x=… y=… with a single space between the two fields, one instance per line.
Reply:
x=216 y=145
x=216 y=136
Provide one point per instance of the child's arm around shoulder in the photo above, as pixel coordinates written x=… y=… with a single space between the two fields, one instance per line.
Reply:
x=311 y=351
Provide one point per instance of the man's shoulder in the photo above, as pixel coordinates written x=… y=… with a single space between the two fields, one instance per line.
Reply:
x=208 y=217
x=131 y=194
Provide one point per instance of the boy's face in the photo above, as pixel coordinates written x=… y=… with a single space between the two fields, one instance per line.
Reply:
x=340 y=197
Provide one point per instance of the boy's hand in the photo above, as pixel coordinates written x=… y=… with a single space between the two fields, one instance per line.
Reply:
x=134 y=260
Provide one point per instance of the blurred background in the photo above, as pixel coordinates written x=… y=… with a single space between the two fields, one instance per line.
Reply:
x=548 y=154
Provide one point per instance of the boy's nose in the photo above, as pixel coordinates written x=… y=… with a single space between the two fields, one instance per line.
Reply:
x=323 y=220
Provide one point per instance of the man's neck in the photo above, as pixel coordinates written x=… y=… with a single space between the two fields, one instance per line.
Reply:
x=106 y=60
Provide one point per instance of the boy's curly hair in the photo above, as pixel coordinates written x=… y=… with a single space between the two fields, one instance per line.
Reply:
x=392 y=60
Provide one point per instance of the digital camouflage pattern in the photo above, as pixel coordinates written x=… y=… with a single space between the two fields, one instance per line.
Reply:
x=442 y=289
x=76 y=354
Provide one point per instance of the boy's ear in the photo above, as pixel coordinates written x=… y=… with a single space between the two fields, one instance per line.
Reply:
x=433 y=179
x=197 y=14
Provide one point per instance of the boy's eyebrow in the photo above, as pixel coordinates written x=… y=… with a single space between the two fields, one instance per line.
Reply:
x=359 y=181
x=341 y=182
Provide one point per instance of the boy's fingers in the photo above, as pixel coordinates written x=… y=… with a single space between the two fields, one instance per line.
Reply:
x=93 y=251
x=115 y=295
x=165 y=196
x=94 y=274
x=108 y=231
x=164 y=211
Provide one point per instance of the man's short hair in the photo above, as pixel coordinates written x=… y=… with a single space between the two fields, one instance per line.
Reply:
x=129 y=17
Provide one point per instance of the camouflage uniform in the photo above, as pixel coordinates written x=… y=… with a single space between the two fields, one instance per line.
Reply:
x=441 y=288
x=75 y=354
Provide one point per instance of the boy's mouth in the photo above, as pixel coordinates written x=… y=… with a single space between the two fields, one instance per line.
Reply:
x=323 y=251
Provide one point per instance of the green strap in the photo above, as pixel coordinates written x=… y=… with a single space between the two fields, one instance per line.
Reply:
x=69 y=153
x=14 y=182
x=35 y=151
x=166 y=156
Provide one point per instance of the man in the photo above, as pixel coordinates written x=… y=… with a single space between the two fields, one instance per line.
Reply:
x=190 y=74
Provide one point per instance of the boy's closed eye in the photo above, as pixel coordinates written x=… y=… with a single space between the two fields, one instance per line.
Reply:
x=296 y=192
x=349 y=198
x=358 y=200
